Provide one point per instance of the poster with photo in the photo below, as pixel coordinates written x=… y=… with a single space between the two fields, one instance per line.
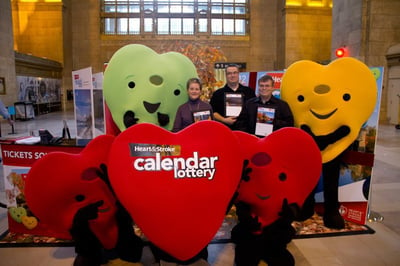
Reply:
x=276 y=76
x=38 y=90
x=98 y=104
x=355 y=178
x=83 y=104
x=244 y=78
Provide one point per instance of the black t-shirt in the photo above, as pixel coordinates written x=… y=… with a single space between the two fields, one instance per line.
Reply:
x=248 y=117
x=218 y=98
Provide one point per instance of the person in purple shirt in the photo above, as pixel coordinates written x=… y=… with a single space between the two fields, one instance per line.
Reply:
x=194 y=109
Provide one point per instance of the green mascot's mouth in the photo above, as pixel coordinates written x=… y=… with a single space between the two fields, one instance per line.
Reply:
x=130 y=119
x=151 y=107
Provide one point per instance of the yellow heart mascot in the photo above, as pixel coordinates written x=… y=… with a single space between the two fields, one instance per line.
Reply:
x=331 y=103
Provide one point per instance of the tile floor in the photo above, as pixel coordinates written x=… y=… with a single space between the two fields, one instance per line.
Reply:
x=379 y=249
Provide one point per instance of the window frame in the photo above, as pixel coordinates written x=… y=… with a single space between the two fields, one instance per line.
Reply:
x=124 y=12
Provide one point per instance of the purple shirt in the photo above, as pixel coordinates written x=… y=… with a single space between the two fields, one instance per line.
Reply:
x=184 y=115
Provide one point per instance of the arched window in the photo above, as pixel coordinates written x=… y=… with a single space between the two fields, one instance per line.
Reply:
x=175 y=17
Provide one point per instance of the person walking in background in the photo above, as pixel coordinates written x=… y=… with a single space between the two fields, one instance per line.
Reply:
x=5 y=114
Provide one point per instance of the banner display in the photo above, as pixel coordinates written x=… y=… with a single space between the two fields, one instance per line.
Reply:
x=98 y=104
x=83 y=107
x=356 y=172
x=17 y=161
x=38 y=90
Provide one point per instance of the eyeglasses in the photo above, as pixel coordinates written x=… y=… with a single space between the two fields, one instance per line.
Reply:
x=232 y=73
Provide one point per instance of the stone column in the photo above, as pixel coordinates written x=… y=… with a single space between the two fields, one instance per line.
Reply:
x=7 y=58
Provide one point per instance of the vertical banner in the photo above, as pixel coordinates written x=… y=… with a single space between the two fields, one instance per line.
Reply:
x=356 y=170
x=98 y=104
x=83 y=107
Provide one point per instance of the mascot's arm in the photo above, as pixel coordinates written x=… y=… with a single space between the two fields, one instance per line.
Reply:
x=325 y=140
x=86 y=243
x=129 y=245
x=281 y=232
x=103 y=174
x=248 y=226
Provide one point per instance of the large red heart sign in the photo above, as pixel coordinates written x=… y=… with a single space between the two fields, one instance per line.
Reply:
x=176 y=186
x=285 y=164
x=59 y=184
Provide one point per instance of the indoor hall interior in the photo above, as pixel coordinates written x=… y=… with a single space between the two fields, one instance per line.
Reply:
x=381 y=248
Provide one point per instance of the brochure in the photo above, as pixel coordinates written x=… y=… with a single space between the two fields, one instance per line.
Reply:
x=233 y=104
x=201 y=115
x=265 y=118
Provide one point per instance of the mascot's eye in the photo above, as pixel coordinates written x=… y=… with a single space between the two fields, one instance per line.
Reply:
x=131 y=84
x=282 y=176
x=346 y=97
x=300 y=98
x=177 y=92
x=79 y=198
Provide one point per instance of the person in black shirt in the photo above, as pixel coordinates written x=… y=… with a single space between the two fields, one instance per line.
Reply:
x=250 y=113
x=221 y=97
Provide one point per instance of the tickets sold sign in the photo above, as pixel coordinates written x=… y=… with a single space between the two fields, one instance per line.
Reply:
x=176 y=186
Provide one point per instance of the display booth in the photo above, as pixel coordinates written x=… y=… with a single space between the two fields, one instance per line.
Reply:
x=152 y=151
x=17 y=161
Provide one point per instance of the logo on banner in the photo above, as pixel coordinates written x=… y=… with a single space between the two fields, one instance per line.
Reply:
x=152 y=157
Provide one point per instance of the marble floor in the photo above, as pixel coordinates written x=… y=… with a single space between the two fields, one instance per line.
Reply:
x=379 y=249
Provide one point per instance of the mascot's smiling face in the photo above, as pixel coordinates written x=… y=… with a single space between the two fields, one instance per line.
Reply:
x=143 y=86
x=328 y=98
x=285 y=165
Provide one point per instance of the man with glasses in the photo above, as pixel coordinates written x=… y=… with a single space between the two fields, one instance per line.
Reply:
x=228 y=101
x=265 y=113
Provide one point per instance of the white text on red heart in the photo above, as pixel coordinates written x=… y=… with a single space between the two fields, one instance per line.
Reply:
x=192 y=167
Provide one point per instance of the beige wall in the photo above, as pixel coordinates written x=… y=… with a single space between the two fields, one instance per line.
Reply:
x=38 y=28
x=368 y=28
x=308 y=34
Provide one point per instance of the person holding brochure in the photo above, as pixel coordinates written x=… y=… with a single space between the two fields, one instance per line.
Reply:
x=227 y=102
x=263 y=114
x=194 y=109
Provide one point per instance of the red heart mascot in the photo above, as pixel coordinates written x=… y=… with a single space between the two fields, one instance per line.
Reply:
x=71 y=194
x=176 y=186
x=282 y=170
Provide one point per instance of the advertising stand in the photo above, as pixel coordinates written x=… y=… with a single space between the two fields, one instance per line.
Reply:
x=83 y=105
x=17 y=160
